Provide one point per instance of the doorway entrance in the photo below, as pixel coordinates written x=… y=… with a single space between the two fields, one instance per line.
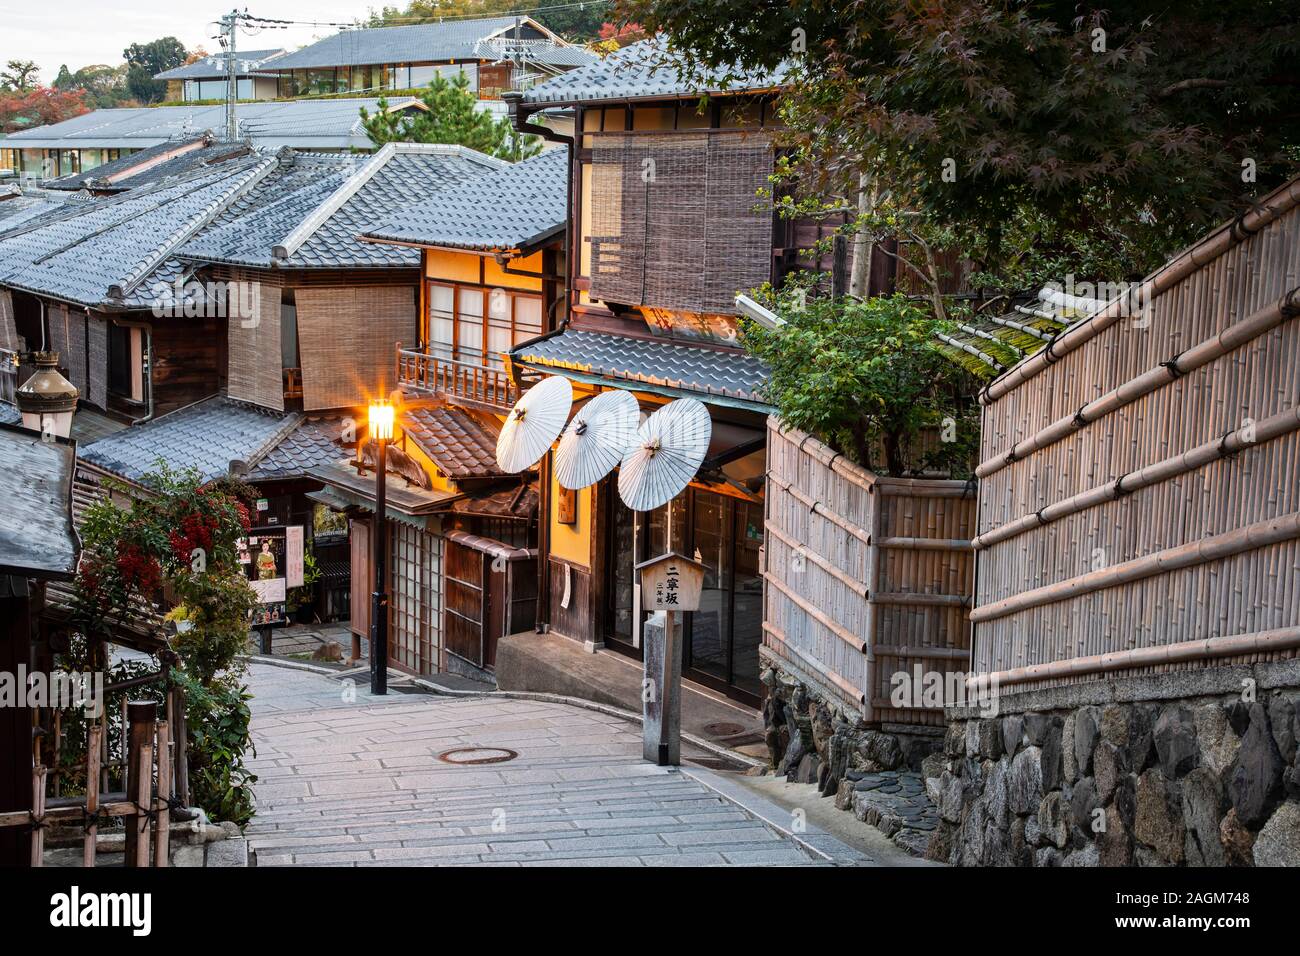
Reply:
x=725 y=534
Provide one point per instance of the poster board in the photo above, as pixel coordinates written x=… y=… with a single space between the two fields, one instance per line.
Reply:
x=272 y=559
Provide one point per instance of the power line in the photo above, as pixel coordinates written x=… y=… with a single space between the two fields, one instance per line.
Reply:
x=273 y=23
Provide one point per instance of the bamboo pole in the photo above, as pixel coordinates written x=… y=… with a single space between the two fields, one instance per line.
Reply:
x=926 y=544
x=37 y=816
x=1203 y=454
x=858 y=587
x=847 y=636
x=818 y=508
x=1212 y=548
x=1196 y=357
x=162 y=821
x=1261 y=642
x=784 y=647
x=1227 y=236
x=143 y=800
x=94 y=734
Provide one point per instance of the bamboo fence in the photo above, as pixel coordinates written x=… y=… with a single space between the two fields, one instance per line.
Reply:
x=866 y=577
x=1139 y=500
x=152 y=773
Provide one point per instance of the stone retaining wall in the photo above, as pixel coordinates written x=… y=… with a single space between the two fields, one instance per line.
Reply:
x=877 y=773
x=1197 y=769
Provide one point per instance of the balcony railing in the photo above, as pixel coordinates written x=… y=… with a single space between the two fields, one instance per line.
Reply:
x=462 y=383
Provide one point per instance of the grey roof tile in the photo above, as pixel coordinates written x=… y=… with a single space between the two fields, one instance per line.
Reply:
x=425 y=43
x=392 y=178
x=658 y=364
x=311 y=444
x=36 y=531
x=511 y=208
x=150 y=167
x=81 y=254
x=645 y=70
x=206 y=436
x=303 y=124
x=247 y=63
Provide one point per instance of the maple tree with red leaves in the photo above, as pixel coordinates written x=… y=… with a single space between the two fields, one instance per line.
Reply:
x=41 y=106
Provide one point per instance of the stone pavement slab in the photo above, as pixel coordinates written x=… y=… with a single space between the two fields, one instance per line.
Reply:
x=347 y=779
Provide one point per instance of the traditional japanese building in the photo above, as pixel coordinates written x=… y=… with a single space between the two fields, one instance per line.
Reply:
x=462 y=533
x=495 y=54
x=664 y=231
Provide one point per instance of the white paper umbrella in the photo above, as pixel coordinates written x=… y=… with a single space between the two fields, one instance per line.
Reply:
x=534 y=424
x=600 y=434
x=669 y=449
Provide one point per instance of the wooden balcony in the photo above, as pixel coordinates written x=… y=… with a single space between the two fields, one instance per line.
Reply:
x=462 y=383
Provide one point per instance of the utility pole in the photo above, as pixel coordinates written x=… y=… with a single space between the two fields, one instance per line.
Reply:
x=229 y=23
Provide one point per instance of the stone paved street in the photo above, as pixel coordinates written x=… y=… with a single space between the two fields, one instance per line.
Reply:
x=346 y=783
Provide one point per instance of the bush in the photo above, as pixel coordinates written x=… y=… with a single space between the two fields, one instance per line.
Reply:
x=867 y=377
x=178 y=540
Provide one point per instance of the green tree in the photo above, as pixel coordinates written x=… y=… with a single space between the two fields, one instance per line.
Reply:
x=20 y=76
x=146 y=60
x=1003 y=126
x=451 y=116
x=868 y=378
x=104 y=86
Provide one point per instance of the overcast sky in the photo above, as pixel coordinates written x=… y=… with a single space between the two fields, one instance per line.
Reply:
x=82 y=32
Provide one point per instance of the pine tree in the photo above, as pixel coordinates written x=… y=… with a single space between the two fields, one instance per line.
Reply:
x=451 y=116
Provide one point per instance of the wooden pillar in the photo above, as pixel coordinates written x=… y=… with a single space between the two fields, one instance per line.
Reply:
x=142 y=717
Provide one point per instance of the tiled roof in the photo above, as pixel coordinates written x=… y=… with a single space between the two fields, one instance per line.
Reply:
x=505 y=502
x=206 y=436
x=36 y=532
x=311 y=444
x=214 y=67
x=9 y=414
x=512 y=208
x=661 y=366
x=426 y=43
x=325 y=216
x=150 y=166
x=303 y=124
x=18 y=210
x=645 y=70
x=95 y=251
x=461 y=445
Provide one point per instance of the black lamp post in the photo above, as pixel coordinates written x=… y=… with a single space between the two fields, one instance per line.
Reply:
x=381 y=433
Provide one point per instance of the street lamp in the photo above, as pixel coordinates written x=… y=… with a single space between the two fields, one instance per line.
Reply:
x=47 y=399
x=381 y=433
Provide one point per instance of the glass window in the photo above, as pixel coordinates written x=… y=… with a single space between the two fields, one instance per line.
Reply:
x=469 y=315
x=442 y=306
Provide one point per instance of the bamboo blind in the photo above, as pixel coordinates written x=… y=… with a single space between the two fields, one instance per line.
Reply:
x=866 y=576
x=674 y=218
x=255 y=353
x=82 y=344
x=346 y=338
x=1246 y=592
x=8 y=326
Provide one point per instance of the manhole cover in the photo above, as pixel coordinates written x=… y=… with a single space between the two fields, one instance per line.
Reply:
x=477 y=755
x=723 y=729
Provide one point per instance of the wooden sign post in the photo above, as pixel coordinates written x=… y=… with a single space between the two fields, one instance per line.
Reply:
x=670 y=584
